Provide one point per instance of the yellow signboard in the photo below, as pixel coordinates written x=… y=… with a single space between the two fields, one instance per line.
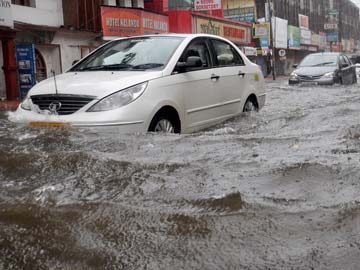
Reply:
x=261 y=30
x=236 y=33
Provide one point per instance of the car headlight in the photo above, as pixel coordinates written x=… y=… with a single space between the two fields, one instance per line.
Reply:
x=26 y=104
x=293 y=76
x=119 y=99
x=329 y=75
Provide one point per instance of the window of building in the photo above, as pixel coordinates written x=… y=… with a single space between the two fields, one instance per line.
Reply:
x=40 y=67
x=27 y=3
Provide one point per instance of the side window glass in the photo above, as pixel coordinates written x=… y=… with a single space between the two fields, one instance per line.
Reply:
x=225 y=54
x=342 y=60
x=347 y=60
x=200 y=49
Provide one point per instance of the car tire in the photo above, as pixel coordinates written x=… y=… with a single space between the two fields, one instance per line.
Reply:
x=250 y=105
x=163 y=124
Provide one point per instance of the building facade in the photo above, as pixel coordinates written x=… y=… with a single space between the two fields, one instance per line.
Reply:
x=312 y=26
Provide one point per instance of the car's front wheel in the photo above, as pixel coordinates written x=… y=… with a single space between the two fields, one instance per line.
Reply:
x=165 y=121
x=164 y=126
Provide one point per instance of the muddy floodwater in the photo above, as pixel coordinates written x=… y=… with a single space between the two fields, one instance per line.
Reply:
x=277 y=189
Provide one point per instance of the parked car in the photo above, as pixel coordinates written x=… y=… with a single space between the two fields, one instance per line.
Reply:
x=324 y=68
x=160 y=83
x=357 y=67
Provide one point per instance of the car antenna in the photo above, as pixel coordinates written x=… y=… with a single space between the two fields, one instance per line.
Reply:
x=53 y=73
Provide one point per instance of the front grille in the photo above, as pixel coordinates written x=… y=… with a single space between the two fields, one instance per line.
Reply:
x=309 y=78
x=68 y=103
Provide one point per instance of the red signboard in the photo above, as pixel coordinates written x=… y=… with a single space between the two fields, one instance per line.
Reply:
x=123 y=22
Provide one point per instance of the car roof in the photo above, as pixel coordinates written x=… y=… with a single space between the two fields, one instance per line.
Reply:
x=326 y=53
x=174 y=35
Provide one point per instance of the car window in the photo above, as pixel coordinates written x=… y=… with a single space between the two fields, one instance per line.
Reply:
x=343 y=60
x=225 y=54
x=199 y=48
x=347 y=60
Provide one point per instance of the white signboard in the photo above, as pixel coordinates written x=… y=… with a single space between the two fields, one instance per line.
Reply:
x=305 y=36
x=280 y=32
x=6 y=18
x=206 y=4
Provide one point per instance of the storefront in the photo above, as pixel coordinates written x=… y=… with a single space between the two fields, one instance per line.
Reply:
x=8 y=72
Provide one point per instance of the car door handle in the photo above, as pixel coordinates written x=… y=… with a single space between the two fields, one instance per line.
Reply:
x=215 y=77
x=241 y=74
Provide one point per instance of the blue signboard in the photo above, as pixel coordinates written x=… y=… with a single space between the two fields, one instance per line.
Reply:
x=332 y=37
x=25 y=55
x=264 y=42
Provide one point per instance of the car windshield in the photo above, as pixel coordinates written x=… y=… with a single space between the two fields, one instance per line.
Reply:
x=315 y=60
x=140 y=53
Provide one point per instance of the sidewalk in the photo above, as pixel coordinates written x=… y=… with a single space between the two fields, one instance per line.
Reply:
x=9 y=105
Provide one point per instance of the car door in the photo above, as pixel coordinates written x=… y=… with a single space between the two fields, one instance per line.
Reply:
x=201 y=98
x=346 y=70
x=231 y=72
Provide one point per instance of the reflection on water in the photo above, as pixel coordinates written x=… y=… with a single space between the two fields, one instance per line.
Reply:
x=276 y=189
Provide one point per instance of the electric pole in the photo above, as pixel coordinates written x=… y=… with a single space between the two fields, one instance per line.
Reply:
x=272 y=43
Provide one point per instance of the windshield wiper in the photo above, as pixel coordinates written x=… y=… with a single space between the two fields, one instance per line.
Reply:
x=148 y=66
x=107 y=67
x=322 y=64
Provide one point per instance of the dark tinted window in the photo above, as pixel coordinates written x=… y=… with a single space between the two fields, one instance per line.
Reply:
x=225 y=54
x=198 y=48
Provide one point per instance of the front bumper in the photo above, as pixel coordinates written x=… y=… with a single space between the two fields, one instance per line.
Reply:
x=321 y=81
x=98 y=121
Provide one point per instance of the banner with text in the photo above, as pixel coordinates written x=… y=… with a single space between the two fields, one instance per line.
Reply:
x=25 y=56
x=294 y=37
x=280 y=32
x=6 y=18
x=207 y=5
x=239 y=34
x=120 y=22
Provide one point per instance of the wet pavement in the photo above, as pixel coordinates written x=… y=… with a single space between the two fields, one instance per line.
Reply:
x=278 y=189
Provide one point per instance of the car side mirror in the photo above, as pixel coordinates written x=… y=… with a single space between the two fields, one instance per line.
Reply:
x=191 y=62
x=74 y=62
x=295 y=65
x=344 y=65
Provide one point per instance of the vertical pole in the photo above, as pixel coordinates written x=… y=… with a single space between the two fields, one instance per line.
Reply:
x=271 y=40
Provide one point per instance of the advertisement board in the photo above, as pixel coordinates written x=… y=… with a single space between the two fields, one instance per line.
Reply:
x=236 y=33
x=322 y=41
x=6 y=18
x=303 y=21
x=305 y=37
x=280 y=32
x=200 y=5
x=332 y=37
x=25 y=56
x=120 y=22
x=294 y=37
x=315 y=39
x=261 y=30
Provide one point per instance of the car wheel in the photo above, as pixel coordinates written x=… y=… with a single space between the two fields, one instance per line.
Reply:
x=250 y=105
x=164 y=126
x=164 y=123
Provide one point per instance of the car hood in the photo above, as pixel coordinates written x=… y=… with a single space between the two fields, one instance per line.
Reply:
x=314 y=71
x=94 y=83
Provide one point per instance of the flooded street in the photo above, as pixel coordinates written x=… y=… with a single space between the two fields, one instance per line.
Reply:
x=277 y=189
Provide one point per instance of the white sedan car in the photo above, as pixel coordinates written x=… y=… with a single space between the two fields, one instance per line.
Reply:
x=160 y=83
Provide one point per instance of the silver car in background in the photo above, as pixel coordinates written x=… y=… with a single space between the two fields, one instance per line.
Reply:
x=325 y=69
